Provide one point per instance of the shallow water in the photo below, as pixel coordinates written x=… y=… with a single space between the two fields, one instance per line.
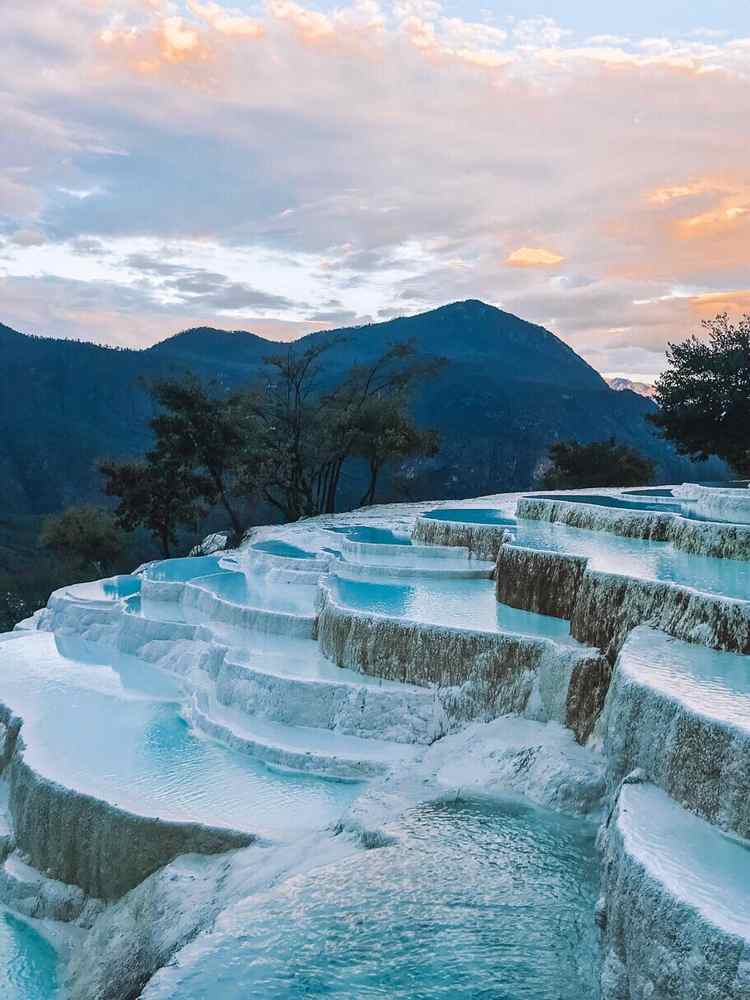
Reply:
x=476 y=901
x=639 y=557
x=258 y=592
x=614 y=503
x=376 y=536
x=689 y=856
x=28 y=962
x=707 y=681
x=470 y=515
x=129 y=745
x=462 y=603
x=113 y=589
x=278 y=547
x=685 y=508
x=181 y=570
x=650 y=491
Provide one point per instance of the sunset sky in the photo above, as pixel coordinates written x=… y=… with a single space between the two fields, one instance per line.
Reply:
x=280 y=167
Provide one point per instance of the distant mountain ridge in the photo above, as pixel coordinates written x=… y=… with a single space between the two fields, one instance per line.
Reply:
x=509 y=389
x=641 y=388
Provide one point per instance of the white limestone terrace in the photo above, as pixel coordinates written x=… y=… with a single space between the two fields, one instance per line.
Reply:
x=657 y=518
x=199 y=705
x=680 y=712
x=717 y=503
x=676 y=903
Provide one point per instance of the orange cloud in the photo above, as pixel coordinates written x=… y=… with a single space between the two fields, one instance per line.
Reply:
x=665 y=195
x=226 y=22
x=711 y=303
x=169 y=40
x=311 y=25
x=533 y=257
x=725 y=215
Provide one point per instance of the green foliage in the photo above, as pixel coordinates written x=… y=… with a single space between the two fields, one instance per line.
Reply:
x=704 y=394
x=86 y=535
x=29 y=572
x=386 y=432
x=195 y=430
x=284 y=440
x=157 y=493
x=298 y=438
x=601 y=463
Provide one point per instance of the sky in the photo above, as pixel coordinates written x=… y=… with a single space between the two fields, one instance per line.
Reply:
x=282 y=167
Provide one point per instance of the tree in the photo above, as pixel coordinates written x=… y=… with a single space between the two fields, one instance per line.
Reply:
x=196 y=429
x=86 y=535
x=387 y=433
x=601 y=463
x=704 y=394
x=370 y=399
x=303 y=436
x=156 y=493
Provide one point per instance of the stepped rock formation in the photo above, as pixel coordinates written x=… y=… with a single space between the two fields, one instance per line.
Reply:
x=371 y=680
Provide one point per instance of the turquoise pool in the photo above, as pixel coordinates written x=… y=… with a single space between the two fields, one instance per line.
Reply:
x=475 y=901
x=278 y=547
x=131 y=747
x=471 y=515
x=616 y=503
x=28 y=962
x=248 y=592
x=181 y=570
x=639 y=557
x=683 y=508
x=113 y=589
x=456 y=603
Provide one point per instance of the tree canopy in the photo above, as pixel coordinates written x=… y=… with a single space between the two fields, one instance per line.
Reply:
x=600 y=463
x=704 y=394
x=282 y=442
x=87 y=535
x=156 y=493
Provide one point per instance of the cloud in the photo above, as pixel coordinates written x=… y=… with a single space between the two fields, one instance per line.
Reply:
x=28 y=238
x=533 y=257
x=385 y=156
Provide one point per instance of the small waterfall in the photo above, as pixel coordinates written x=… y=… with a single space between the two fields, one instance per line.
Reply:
x=726 y=541
x=483 y=541
x=537 y=580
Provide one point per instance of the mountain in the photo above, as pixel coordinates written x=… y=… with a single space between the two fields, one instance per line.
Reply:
x=641 y=388
x=508 y=389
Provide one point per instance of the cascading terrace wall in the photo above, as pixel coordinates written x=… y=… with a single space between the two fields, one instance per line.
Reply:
x=698 y=757
x=84 y=841
x=481 y=540
x=726 y=541
x=477 y=674
x=604 y=607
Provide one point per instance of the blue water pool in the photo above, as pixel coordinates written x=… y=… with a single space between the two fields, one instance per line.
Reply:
x=376 y=536
x=475 y=901
x=278 y=547
x=113 y=589
x=131 y=747
x=651 y=491
x=617 y=503
x=639 y=557
x=471 y=515
x=249 y=592
x=684 y=508
x=456 y=603
x=28 y=962
x=181 y=570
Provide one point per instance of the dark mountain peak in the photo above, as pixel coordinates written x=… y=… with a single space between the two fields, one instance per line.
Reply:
x=474 y=334
x=8 y=333
x=207 y=336
x=206 y=347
